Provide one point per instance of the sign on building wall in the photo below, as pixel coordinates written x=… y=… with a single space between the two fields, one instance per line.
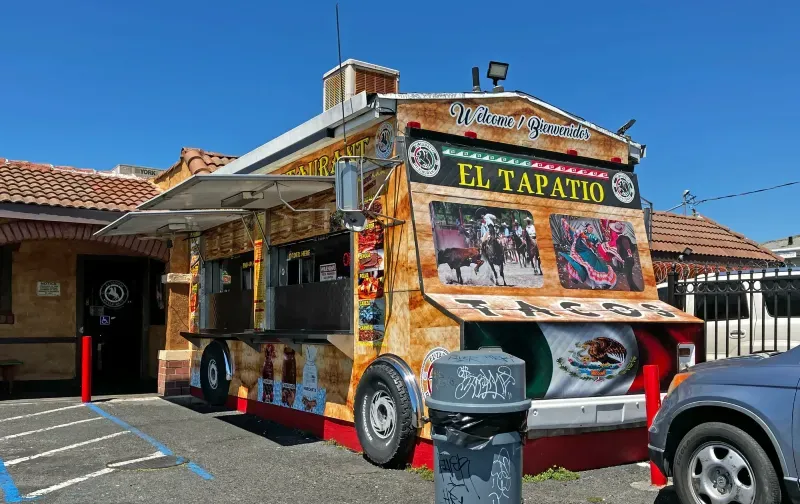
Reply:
x=48 y=289
x=327 y=272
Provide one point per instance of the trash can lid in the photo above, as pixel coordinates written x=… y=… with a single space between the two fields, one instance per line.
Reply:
x=478 y=381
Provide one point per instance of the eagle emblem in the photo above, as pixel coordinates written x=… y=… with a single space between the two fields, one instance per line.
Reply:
x=597 y=359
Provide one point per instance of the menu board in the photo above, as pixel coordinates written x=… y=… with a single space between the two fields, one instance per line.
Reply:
x=371 y=300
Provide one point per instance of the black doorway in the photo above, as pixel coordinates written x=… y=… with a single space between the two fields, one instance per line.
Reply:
x=111 y=309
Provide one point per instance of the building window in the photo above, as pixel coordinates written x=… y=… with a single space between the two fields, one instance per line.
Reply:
x=6 y=317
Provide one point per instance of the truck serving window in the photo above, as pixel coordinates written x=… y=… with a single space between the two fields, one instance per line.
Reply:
x=313 y=276
x=230 y=293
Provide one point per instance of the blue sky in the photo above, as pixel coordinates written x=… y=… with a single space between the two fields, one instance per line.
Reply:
x=713 y=84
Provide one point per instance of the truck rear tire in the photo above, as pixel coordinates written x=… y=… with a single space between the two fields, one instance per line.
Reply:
x=213 y=379
x=718 y=462
x=383 y=416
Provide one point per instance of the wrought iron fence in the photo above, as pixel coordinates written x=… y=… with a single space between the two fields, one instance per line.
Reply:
x=743 y=312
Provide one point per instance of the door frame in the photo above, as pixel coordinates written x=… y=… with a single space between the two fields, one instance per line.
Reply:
x=144 y=264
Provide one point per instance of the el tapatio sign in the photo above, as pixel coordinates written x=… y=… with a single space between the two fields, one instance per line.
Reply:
x=460 y=167
x=534 y=125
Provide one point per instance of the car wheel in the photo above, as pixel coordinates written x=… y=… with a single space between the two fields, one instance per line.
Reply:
x=718 y=463
x=213 y=378
x=383 y=416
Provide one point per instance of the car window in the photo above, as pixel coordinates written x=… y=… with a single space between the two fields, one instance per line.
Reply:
x=782 y=296
x=721 y=301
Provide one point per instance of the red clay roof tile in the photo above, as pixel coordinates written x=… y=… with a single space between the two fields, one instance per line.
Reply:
x=200 y=161
x=672 y=233
x=64 y=186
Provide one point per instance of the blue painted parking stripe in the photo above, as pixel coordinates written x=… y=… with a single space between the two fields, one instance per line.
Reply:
x=159 y=446
x=199 y=471
x=10 y=490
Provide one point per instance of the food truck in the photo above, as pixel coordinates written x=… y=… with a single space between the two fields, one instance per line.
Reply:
x=395 y=228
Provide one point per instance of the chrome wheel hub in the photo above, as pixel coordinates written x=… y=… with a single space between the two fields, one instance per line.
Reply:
x=719 y=474
x=382 y=415
x=213 y=375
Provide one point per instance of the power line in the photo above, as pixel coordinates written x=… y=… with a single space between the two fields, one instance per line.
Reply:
x=747 y=192
x=691 y=200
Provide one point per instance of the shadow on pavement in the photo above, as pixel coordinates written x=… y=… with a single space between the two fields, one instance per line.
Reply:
x=276 y=433
x=667 y=495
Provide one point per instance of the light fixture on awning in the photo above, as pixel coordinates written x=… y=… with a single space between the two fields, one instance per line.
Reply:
x=174 y=227
x=241 y=199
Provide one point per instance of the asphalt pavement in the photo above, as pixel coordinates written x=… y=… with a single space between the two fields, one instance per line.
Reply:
x=147 y=449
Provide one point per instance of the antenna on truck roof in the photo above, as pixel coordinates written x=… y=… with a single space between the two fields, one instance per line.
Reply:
x=341 y=80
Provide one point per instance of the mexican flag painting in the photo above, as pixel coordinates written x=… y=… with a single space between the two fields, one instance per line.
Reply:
x=568 y=360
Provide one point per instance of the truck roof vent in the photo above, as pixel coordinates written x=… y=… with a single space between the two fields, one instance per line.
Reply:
x=355 y=77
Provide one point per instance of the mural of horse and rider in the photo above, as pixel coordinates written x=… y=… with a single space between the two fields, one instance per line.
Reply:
x=479 y=245
x=596 y=253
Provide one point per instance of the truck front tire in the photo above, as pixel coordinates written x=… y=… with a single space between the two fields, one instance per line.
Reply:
x=213 y=379
x=383 y=416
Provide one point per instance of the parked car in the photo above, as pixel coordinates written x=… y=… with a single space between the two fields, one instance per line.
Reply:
x=726 y=430
x=744 y=312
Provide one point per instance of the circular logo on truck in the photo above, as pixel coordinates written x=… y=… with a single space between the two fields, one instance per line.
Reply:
x=384 y=141
x=423 y=158
x=425 y=374
x=113 y=293
x=623 y=189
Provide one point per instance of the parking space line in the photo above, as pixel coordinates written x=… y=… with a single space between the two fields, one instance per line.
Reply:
x=41 y=413
x=152 y=456
x=195 y=468
x=108 y=470
x=63 y=448
x=45 y=491
x=27 y=433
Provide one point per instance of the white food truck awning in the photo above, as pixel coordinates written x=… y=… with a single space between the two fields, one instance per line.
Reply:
x=168 y=222
x=251 y=192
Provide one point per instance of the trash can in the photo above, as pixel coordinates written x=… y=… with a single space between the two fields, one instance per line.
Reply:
x=479 y=416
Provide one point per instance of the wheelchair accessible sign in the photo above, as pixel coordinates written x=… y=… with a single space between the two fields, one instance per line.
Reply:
x=105 y=320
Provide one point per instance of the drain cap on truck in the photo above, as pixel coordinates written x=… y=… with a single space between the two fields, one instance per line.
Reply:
x=478 y=381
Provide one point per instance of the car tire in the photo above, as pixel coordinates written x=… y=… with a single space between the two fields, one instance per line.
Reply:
x=717 y=459
x=383 y=416
x=213 y=379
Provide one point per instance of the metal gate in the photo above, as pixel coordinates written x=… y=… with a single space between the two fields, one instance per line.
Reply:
x=744 y=312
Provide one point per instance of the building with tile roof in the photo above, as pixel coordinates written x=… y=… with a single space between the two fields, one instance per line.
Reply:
x=694 y=245
x=51 y=261
x=59 y=281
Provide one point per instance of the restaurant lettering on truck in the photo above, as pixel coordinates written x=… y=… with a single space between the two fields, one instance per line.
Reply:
x=463 y=221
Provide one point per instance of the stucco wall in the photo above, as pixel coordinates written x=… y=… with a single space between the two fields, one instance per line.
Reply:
x=178 y=298
x=156 y=340
x=42 y=317
x=173 y=176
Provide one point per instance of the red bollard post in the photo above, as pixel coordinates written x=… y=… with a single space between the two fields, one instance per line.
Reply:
x=652 y=400
x=86 y=370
